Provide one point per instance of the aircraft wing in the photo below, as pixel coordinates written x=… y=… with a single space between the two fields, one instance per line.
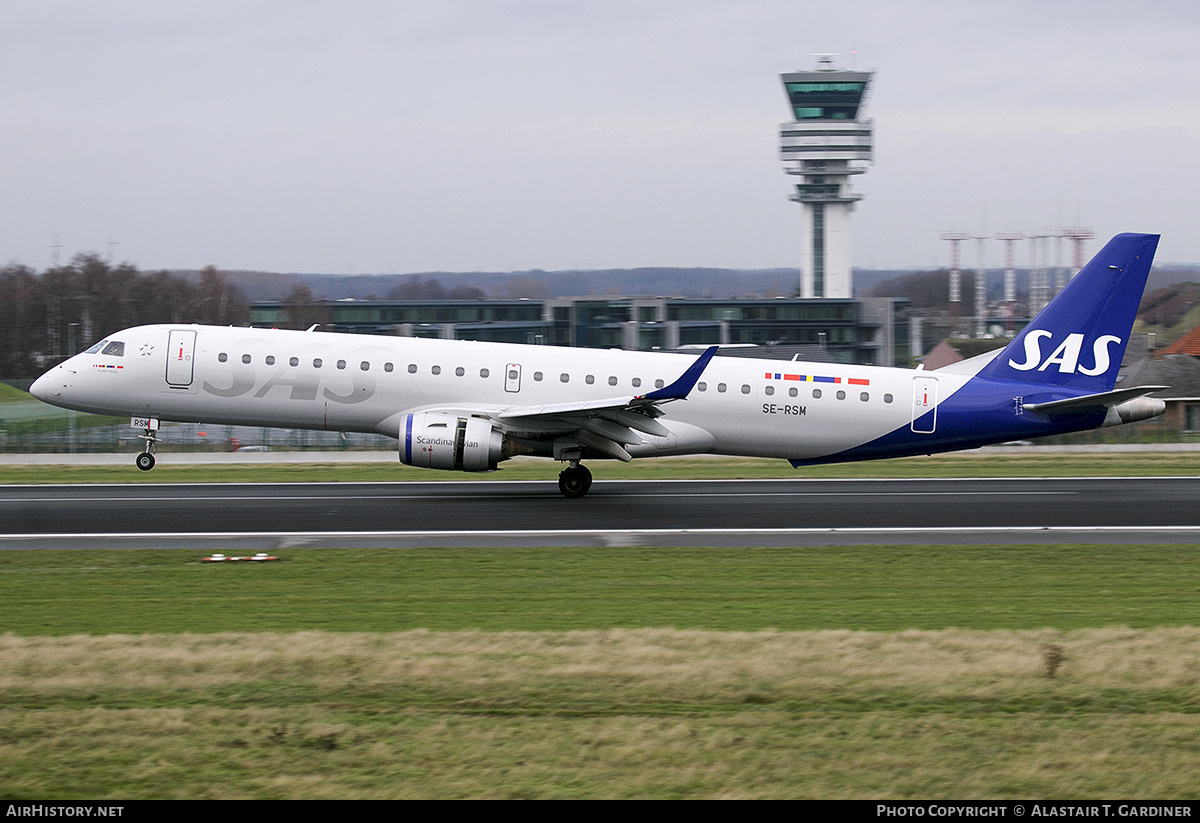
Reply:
x=606 y=425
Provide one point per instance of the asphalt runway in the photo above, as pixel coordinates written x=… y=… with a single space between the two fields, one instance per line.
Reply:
x=245 y=517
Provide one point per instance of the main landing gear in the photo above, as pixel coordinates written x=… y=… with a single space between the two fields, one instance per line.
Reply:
x=575 y=480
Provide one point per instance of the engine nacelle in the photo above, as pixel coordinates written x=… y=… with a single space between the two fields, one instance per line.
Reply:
x=435 y=440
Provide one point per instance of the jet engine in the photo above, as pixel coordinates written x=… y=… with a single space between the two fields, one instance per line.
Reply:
x=436 y=440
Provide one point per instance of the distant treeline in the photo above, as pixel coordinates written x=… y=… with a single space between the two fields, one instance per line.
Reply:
x=534 y=284
x=47 y=317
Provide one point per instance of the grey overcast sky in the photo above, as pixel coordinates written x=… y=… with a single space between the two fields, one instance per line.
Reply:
x=386 y=136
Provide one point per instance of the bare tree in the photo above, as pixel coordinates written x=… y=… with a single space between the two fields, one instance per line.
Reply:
x=303 y=310
x=46 y=318
x=217 y=302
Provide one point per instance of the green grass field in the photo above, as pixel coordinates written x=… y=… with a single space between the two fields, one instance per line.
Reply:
x=8 y=394
x=905 y=672
x=567 y=589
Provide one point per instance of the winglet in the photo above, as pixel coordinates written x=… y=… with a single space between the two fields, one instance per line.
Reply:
x=681 y=388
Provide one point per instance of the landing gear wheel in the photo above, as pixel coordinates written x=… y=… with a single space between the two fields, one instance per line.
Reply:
x=574 y=481
x=145 y=461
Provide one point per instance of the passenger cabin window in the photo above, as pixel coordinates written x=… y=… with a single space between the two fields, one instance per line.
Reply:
x=222 y=357
x=114 y=349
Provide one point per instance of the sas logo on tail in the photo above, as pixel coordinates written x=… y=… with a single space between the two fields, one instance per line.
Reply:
x=1066 y=356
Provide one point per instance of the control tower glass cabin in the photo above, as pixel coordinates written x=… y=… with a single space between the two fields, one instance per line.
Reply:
x=827 y=141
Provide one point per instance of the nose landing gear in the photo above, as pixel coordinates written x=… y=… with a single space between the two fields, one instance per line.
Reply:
x=145 y=460
x=575 y=480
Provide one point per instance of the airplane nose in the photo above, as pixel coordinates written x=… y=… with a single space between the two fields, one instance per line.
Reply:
x=44 y=388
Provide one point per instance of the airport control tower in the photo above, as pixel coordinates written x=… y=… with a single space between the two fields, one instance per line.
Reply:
x=827 y=141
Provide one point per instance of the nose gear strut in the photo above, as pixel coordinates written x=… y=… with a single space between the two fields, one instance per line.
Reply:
x=145 y=460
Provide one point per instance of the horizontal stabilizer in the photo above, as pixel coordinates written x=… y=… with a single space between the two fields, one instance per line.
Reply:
x=1092 y=402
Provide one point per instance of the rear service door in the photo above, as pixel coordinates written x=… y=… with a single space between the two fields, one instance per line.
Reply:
x=924 y=404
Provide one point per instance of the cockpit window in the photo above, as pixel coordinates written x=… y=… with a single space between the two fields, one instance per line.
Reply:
x=96 y=347
x=114 y=349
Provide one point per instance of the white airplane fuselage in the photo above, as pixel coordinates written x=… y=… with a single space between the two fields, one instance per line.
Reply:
x=363 y=383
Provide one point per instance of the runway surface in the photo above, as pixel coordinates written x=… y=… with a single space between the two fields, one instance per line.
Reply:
x=703 y=513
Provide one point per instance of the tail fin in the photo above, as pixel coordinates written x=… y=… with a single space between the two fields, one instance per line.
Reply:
x=1079 y=339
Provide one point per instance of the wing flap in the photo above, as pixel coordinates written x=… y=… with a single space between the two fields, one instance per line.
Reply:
x=615 y=433
x=637 y=421
x=602 y=444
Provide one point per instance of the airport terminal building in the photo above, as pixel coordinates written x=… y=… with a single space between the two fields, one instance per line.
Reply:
x=870 y=331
